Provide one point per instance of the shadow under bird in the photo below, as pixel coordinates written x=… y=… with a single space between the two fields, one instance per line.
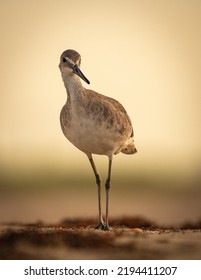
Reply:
x=94 y=123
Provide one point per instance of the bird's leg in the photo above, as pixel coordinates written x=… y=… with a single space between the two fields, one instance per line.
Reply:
x=101 y=224
x=107 y=187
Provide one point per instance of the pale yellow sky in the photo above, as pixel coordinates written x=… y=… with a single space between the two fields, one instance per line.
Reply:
x=145 y=53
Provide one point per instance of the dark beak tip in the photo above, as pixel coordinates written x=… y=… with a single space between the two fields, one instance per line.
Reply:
x=79 y=73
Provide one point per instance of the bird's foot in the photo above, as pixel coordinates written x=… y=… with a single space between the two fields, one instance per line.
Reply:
x=106 y=227
x=100 y=226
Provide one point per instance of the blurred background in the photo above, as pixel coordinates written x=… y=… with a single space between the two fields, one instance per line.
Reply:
x=144 y=53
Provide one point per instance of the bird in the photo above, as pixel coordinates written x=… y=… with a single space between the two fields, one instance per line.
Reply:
x=94 y=123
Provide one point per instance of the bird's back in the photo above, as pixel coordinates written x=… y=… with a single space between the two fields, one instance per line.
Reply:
x=123 y=125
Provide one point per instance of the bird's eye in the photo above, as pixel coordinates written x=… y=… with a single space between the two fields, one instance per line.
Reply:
x=64 y=60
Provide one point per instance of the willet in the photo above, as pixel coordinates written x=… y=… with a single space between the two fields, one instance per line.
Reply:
x=94 y=123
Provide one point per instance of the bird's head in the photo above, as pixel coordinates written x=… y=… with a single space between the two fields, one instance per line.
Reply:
x=69 y=65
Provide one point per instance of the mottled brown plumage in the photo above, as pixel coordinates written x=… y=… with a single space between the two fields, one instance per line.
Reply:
x=94 y=123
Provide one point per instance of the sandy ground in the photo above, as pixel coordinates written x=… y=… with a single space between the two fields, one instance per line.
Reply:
x=60 y=224
x=130 y=238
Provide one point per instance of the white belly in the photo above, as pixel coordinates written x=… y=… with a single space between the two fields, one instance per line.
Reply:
x=92 y=138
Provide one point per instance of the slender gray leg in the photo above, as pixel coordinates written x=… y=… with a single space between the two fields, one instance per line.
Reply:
x=107 y=187
x=101 y=224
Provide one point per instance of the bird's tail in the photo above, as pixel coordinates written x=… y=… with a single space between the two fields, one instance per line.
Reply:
x=129 y=149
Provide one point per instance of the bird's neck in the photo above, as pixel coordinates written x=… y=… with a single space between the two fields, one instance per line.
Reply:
x=74 y=88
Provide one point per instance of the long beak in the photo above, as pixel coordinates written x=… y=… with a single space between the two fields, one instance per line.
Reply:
x=78 y=72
